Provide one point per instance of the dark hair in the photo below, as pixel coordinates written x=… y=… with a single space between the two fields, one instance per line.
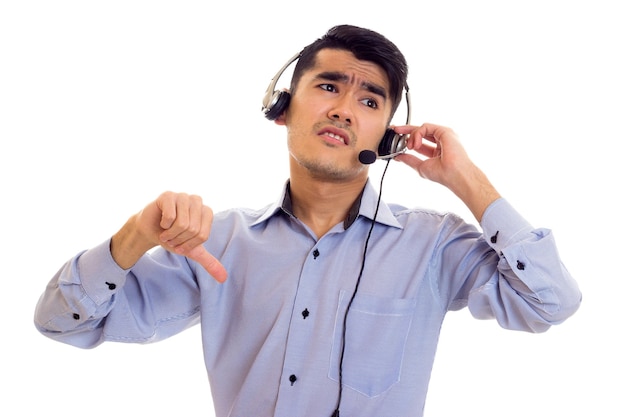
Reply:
x=365 y=45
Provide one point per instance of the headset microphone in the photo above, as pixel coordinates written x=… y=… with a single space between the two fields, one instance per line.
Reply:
x=367 y=157
x=391 y=145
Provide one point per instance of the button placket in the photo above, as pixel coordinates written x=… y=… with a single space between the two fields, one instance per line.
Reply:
x=299 y=338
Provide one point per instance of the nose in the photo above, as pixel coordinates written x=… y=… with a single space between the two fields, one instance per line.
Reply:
x=341 y=111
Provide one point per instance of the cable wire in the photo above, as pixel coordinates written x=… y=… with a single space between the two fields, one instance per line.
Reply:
x=356 y=288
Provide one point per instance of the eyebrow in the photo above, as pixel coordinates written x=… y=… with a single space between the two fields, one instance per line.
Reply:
x=342 y=77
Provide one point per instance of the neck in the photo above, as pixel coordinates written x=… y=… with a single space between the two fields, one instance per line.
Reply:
x=321 y=205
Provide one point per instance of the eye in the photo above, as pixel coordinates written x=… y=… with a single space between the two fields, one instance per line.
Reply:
x=370 y=102
x=328 y=87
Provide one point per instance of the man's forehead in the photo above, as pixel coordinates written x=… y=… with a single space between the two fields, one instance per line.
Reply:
x=343 y=66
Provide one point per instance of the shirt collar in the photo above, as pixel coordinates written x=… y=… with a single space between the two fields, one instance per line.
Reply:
x=364 y=205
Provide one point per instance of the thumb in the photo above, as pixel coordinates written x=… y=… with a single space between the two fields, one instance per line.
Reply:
x=208 y=262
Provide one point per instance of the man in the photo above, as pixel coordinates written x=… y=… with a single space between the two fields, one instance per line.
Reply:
x=328 y=301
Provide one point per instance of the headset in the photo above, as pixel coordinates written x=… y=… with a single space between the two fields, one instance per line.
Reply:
x=391 y=144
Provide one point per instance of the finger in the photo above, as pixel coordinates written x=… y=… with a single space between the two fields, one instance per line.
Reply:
x=192 y=224
x=417 y=135
x=428 y=131
x=404 y=130
x=198 y=222
x=428 y=149
x=167 y=204
x=410 y=160
x=209 y=263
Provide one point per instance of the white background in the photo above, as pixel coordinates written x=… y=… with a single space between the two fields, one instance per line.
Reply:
x=103 y=105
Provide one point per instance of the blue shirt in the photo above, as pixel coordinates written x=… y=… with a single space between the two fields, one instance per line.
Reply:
x=272 y=333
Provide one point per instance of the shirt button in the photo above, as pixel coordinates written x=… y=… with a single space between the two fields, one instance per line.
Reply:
x=520 y=265
x=305 y=313
x=292 y=379
x=316 y=253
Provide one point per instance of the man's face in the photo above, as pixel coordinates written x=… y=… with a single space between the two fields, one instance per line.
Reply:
x=340 y=107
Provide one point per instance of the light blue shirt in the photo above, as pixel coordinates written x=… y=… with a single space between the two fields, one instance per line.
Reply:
x=272 y=333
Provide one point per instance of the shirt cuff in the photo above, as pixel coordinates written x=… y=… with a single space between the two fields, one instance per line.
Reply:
x=503 y=226
x=100 y=276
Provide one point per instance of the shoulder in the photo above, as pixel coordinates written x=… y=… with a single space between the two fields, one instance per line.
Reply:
x=425 y=224
x=240 y=215
x=419 y=215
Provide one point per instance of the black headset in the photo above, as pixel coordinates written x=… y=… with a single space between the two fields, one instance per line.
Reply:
x=276 y=102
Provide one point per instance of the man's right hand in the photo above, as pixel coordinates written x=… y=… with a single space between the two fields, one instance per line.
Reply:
x=178 y=222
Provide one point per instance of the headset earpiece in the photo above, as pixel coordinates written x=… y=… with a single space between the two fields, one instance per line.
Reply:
x=276 y=102
x=280 y=102
x=391 y=144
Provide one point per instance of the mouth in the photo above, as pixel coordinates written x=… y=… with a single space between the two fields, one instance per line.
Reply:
x=335 y=135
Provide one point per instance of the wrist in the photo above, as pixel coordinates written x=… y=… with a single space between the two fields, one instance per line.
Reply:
x=128 y=245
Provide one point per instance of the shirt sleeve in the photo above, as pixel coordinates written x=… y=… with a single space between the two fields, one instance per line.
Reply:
x=91 y=299
x=531 y=288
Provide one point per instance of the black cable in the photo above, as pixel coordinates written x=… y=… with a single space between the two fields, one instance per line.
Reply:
x=356 y=288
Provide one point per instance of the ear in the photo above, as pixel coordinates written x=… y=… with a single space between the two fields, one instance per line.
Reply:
x=280 y=120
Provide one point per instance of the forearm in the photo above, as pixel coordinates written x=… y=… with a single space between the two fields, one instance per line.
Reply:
x=475 y=190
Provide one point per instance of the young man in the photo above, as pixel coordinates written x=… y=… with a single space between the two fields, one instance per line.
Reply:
x=328 y=301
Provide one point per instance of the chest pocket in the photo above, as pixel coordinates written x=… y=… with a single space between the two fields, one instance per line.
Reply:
x=376 y=333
